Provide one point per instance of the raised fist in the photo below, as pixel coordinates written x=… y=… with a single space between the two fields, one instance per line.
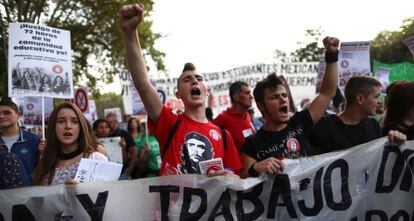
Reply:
x=331 y=44
x=130 y=16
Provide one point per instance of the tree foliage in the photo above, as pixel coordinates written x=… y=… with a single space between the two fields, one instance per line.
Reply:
x=387 y=47
x=108 y=100
x=308 y=50
x=95 y=33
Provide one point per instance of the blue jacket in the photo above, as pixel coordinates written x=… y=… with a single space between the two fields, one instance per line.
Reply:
x=26 y=148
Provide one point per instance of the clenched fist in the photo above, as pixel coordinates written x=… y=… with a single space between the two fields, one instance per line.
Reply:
x=331 y=44
x=130 y=16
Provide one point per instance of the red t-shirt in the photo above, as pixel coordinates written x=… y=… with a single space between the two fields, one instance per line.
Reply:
x=203 y=141
x=239 y=125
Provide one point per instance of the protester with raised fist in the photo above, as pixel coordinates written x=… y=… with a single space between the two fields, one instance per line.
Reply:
x=281 y=136
x=192 y=124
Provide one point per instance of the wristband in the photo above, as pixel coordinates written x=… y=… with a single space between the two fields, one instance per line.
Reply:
x=331 y=57
x=252 y=172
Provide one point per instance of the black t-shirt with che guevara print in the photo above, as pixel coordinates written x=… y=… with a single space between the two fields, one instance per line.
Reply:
x=291 y=142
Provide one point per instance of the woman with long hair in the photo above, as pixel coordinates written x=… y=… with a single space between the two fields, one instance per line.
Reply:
x=134 y=128
x=400 y=110
x=68 y=141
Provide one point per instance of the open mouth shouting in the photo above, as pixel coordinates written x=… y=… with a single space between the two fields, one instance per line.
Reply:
x=283 y=110
x=195 y=92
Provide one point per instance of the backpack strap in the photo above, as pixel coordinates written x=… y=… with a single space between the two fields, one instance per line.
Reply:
x=170 y=136
x=224 y=135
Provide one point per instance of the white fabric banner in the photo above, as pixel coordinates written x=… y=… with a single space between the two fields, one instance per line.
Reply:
x=354 y=60
x=301 y=78
x=372 y=181
x=40 y=61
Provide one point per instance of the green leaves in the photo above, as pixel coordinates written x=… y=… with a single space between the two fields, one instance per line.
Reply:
x=96 y=37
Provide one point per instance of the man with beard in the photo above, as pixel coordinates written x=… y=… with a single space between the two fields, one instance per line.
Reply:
x=281 y=136
x=192 y=90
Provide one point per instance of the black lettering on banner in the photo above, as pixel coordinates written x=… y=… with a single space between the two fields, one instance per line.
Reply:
x=224 y=203
x=407 y=180
x=164 y=191
x=281 y=186
x=346 y=199
x=400 y=214
x=396 y=170
x=317 y=196
x=378 y=213
x=185 y=209
x=253 y=197
x=21 y=213
x=95 y=210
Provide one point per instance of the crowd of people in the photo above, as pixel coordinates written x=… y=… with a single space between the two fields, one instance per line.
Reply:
x=169 y=143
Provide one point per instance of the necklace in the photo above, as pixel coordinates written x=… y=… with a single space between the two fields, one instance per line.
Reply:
x=68 y=156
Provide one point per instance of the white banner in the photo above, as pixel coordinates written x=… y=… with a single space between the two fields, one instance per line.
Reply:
x=113 y=148
x=354 y=60
x=382 y=76
x=32 y=110
x=368 y=182
x=40 y=61
x=301 y=78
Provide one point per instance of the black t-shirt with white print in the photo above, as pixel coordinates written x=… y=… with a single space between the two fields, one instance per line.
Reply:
x=289 y=143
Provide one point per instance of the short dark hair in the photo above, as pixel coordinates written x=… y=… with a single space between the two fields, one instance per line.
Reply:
x=9 y=103
x=270 y=82
x=359 y=84
x=187 y=67
x=236 y=88
x=97 y=122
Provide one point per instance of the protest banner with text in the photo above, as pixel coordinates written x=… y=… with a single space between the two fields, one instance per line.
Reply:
x=40 y=61
x=372 y=181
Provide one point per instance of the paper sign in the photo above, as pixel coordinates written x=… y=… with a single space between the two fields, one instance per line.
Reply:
x=113 y=149
x=97 y=170
x=215 y=164
x=40 y=61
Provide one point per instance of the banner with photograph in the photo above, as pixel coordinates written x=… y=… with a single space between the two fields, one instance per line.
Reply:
x=354 y=60
x=40 y=61
x=372 y=181
x=32 y=110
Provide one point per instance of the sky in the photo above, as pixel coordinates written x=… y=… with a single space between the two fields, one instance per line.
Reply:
x=217 y=35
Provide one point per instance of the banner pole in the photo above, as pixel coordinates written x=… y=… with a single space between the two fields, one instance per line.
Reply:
x=43 y=117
